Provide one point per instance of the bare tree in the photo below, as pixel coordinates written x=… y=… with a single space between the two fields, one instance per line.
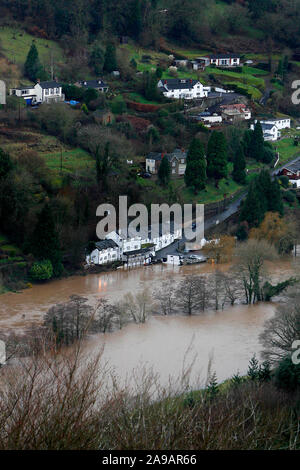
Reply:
x=232 y=287
x=166 y=297
x=69 y=321
x=191 y=294
x=103 y=316
x=250 y=258
x=281 y=331
x=137 y=307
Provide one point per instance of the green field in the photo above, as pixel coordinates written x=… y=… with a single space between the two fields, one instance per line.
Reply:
x=137 y=97
x=53 y=152
x=245 y=78
x=16 y=43
x=71 y=160
x=286 y=149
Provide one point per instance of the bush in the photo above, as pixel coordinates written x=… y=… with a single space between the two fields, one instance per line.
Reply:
x=287 y=375
x=289 y=196
x=284 y=181
x=118 y=105
x=41 y=270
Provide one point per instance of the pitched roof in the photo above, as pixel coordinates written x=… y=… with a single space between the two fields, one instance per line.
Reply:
x=93 y=83
x=225 y=56
x=177 y=153
x=294 y=166
x=50 y=84
x=267 y=127
x=275 y=120
x=179 y=83
x=104 y=244
x=27 y=87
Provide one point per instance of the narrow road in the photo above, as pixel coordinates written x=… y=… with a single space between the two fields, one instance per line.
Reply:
x=208 y=224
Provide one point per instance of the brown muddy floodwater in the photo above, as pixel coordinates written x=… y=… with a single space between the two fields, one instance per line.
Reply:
x=168 y=345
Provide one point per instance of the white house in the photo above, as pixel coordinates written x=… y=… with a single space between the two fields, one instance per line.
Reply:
x=281 y=123
x=42 y=92
x=105 y=252
x=26 y=92
x=222 y=60
x=272 y=127
x=209 y=118
x=270 y=131
x=178 y=88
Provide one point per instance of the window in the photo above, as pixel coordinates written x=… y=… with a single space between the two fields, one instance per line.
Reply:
x=174 y=164
x=46 y=92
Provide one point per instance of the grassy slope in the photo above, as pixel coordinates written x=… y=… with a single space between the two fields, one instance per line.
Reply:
x=15 y=44
x=51 y=149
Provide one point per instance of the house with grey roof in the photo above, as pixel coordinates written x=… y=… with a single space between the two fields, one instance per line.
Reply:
x=97 y=84
x=105 y=252
x=43 y=92
x=292 y=171
x=182 y=88
x=177 y=161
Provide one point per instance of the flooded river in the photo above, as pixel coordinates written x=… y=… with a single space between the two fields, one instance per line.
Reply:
x=168 y=345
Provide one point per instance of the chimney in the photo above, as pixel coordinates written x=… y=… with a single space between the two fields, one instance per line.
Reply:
x=38 y=80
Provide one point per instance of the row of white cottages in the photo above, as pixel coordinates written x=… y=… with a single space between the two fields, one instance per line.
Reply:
x=139 y=249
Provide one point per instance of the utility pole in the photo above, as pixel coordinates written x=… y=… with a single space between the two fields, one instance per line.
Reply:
x=51 y=65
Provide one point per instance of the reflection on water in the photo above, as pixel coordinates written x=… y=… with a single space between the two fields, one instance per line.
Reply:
x=170 y=344
x=230 y=337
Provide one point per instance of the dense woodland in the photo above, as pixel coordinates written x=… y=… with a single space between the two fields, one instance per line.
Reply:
x=146 y=21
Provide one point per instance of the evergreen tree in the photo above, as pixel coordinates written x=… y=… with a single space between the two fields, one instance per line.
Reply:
x=254 y=207
x=150 y=86
x=195 y=173
x=110 y=59
x=256 y=147
x=97 y=59
x=246 y=142
x=253 y=369
x=217 y=157
x=264 y=196
x=32 y=67
x=265 y=373
x=212 y=389
x=164 y=171
x=45 y=241
x=239 y=166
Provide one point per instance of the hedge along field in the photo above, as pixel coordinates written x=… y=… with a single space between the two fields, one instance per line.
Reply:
x=15 y=44
x=243 y=77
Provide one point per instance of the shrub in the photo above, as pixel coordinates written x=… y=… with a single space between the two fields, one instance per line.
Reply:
x=289 y=196
x=287 y=375
x=284 y=181
x=41 y=270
